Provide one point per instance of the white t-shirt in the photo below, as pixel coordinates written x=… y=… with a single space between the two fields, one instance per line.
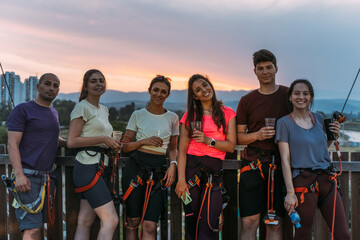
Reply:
x=146 y=125
x=96 y=124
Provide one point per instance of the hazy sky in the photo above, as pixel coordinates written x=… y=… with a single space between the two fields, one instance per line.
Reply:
x=131 y=41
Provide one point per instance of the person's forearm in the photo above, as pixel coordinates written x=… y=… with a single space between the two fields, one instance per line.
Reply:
x=246 y=138
x=181 y=165
x=15 y=159
x=62 y=142
x=77 y=142
x=286 y=169
x=131 y=146
x=173 y=153
x=224 y=145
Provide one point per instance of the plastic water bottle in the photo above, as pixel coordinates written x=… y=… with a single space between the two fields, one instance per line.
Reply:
x=295 y=218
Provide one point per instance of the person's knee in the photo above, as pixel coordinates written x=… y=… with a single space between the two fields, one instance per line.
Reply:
x=85 y=221
x=250 y=223
x=32 y=234
x=133 y=222
x=111 y=221
x=149 y=228
x=276 y=228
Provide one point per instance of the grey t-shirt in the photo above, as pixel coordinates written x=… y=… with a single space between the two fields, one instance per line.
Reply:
x=308 y=147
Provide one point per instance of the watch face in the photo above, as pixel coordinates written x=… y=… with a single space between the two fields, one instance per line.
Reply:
x=212 y=143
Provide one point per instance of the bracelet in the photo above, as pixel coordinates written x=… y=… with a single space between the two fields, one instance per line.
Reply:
x=174 y=161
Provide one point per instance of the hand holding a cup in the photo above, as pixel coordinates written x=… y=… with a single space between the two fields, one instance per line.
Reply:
x=268 y=131
x=197 y=133
x=153 y=141
x=117 y=137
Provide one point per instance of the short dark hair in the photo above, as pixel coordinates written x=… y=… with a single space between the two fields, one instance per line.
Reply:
x=308 y=84
x=264 y=55
x=46 y=75
x=160 y=78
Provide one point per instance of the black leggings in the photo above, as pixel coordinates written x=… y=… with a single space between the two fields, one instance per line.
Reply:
x=196 y=194
x=324 y=201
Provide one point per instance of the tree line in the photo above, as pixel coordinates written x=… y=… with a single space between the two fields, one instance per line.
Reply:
x=117 y=118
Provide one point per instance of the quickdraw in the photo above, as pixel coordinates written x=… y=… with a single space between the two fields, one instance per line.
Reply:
x=271 y=218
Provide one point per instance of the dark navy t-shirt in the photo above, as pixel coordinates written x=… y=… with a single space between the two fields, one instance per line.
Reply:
x=40 y=128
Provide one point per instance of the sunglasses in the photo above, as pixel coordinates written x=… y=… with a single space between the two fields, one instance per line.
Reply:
x=163 y=77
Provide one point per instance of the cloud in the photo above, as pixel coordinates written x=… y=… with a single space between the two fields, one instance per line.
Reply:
x=131 y=41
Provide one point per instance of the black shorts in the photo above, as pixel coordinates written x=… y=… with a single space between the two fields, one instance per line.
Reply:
x=33 y=220
x=253 y=190
x=135 y=202
x=99 y=194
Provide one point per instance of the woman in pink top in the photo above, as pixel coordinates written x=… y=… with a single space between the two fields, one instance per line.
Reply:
x=200 y=154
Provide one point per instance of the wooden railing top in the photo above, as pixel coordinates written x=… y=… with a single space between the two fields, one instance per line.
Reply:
x=228 y=164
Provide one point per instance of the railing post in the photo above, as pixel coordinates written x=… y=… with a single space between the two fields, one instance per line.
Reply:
x=355 y=199
x=175 y=215
x=3 y=207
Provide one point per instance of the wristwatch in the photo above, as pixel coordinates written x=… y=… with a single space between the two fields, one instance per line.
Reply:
x=212 y=143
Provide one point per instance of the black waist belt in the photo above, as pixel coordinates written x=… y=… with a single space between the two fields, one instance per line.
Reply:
x=252 y=151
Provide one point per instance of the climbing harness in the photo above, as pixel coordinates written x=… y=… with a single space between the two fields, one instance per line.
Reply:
x=38 y=204
x=196 y=181
x=114 y=156
x=155 y=181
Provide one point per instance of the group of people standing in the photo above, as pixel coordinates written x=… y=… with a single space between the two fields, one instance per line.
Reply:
x=294 y=152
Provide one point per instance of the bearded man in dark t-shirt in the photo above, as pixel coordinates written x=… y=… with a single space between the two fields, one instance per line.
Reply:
x=268 y=101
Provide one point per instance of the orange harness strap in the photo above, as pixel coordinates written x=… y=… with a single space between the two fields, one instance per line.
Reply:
x=334 y=178
x=133 y=184
x=50 y=208
x=209 y=185
x=93 y=182
x=253 y=166
x=149 y=184
x=312 y=188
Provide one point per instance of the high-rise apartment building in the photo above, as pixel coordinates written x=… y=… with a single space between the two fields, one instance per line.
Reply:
x=30 y=90
x=15 y=88
x=21 y=92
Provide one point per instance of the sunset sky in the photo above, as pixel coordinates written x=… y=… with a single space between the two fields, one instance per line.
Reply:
x=131 y=41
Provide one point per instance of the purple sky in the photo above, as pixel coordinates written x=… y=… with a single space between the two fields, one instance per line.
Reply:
x=132 y=41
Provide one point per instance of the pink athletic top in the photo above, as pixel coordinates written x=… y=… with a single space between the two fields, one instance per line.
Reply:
x=211 y=130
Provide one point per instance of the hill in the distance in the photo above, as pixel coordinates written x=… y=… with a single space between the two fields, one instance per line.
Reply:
x=177 y=100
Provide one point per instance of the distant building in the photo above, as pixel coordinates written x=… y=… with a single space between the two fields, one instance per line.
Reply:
x=15 y=89
x=30 y=90
x=21 y=92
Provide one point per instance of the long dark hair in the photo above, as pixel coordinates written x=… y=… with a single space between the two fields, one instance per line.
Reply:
x=195 y=109
x=311 y=91
x=87 y=75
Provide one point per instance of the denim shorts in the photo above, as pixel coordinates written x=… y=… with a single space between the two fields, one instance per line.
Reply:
x=33 y=220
